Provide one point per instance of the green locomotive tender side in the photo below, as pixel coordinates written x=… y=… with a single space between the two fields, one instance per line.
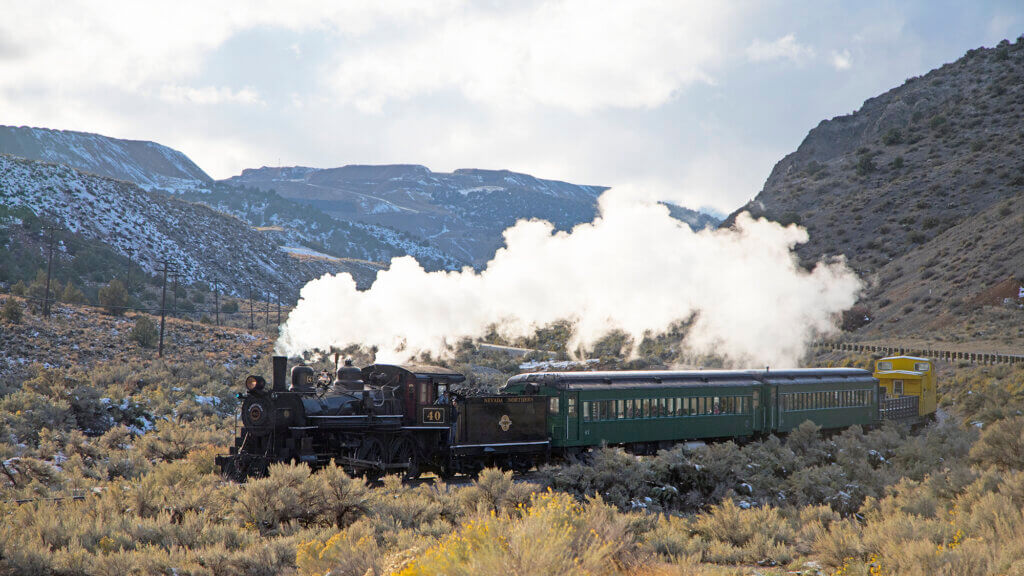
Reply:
x=645 y=410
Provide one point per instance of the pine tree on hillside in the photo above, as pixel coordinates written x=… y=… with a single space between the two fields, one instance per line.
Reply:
x=72 y=295
x=114 y=297
x=144 y=332
x=11 y=312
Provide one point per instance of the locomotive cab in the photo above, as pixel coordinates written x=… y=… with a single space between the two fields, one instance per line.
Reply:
x=418 y=389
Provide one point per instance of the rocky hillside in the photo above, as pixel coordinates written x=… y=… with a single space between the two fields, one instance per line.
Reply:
x=918 y=189
x=291 y=224
x=83 y=337
x=461 y=213
x=296 y=225
x=360 y=215
x=694 y=219
x=202 y=244
x=147 y=164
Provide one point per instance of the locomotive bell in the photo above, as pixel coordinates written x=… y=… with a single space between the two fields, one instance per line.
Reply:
x=349 y=377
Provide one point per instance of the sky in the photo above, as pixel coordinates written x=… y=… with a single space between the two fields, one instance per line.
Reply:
x=691 y=102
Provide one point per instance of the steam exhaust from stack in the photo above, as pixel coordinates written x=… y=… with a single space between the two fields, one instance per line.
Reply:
x=634 y=268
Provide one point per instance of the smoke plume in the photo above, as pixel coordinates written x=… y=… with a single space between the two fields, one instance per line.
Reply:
x=634 y=268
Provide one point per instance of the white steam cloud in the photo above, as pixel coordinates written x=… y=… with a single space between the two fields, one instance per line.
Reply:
x=634 y=268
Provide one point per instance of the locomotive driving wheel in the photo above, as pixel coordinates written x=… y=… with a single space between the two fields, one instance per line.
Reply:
x=243 y=466
x=372 y=449
x=403 y=451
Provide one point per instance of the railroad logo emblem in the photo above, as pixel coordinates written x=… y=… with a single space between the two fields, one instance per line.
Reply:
x=505 y=422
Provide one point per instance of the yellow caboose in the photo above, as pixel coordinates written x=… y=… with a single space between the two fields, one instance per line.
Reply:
x=903 y=376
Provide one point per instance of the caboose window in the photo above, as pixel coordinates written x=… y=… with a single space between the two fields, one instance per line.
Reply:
x=920 y=366
x=885 y=366
x=897 y=387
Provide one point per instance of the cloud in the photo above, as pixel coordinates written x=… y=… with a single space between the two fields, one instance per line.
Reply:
x=784 y=48
x=568 y=54
x=210 y=95
x=841 y=60
x=571 y=54
x=133 y=44
x=634 y=268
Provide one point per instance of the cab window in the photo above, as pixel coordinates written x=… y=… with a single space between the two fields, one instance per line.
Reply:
x=423 y=392
x=553 y=405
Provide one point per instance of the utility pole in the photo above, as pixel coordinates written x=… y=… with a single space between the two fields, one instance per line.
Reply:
x=266 y=308
x=174 y=306
x=163 y=309
x=252 y=317
x=49 y=270
x=128 y=275
x=216 y=300
x=279 y=306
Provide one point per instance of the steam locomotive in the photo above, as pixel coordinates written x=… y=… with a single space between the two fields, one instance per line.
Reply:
x=383 y=419
x=407 y=419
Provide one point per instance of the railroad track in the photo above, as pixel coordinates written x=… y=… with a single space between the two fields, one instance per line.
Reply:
x=946 y=355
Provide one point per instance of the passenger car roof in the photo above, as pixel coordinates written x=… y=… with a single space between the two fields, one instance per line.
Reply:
x=662 y=378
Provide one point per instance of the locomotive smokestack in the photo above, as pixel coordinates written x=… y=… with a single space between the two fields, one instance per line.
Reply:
x=280 y=368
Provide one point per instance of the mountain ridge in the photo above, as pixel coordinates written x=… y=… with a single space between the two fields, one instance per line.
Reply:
x=144 y=163
x=919 y=190
x=202 y=244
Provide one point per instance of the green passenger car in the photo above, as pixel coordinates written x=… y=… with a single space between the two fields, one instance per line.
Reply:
x=645 y=410
x=832 y=398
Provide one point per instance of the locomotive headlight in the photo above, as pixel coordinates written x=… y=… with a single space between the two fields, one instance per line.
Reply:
x=254 y=383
